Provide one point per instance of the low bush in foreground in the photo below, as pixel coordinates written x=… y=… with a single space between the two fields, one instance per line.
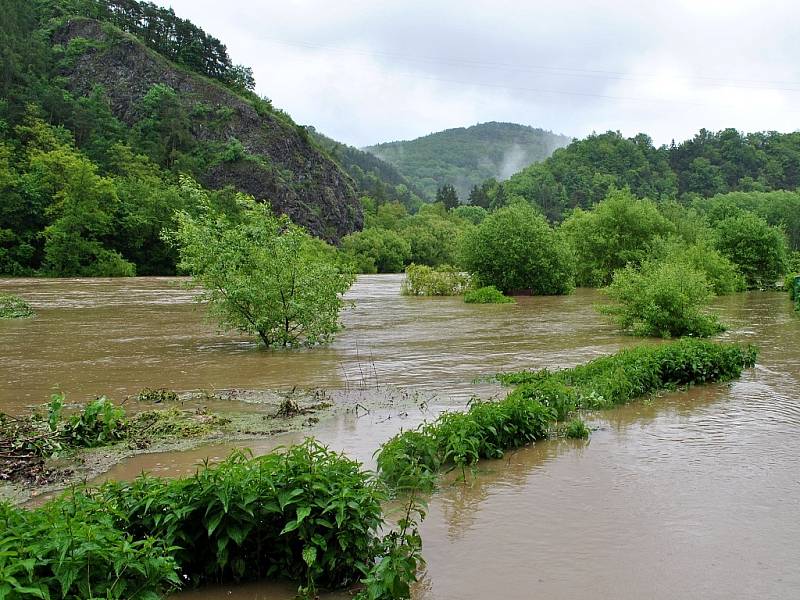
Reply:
x=487 y=295
x=14 y=307
x=422 y=280
x=544 y=398
x=304 y=513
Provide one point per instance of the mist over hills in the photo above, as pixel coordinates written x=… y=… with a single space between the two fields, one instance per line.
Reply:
x=466 y=156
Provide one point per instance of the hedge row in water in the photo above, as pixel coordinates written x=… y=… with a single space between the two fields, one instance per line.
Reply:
x=304 y=513
x=544 y=398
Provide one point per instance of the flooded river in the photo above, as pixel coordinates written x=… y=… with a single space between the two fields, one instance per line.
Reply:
x=693 y=495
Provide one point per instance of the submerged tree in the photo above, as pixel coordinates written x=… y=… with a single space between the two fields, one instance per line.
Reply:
x=262 y=274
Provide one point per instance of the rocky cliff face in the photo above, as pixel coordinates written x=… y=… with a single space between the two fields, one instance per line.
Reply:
x=282 y=166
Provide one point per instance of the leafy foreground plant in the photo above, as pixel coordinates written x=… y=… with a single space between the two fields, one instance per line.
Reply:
x=303 y=513
x=487 y=295
x=544 y=398
x=14 y=307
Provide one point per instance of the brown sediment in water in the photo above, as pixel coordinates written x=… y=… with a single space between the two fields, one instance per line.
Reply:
x=689 y=495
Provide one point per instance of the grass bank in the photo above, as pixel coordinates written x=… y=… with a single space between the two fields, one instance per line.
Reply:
x=543 y=401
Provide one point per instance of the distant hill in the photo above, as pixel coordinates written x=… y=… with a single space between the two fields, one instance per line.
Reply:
x=466 y=156
x=372 y=176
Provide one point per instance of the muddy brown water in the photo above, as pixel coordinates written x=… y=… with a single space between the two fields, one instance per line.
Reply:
x=691 y=495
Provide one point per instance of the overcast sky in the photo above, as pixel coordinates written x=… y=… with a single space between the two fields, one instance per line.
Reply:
x=367 y=71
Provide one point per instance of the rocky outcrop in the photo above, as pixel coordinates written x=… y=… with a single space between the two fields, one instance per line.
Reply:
x=281 y=165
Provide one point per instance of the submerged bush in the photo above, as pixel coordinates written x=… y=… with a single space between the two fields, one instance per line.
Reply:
x=576 y=430
x=487 y=295
x=758 y=249
x=543 y=398
x=662 y=300
x=422 y=280
x=14 y=307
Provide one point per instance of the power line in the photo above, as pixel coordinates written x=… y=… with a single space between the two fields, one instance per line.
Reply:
x=717 y=82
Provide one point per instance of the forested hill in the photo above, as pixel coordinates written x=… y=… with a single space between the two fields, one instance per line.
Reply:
x=710 y=163
x=105 y=107
x=373 y=177
x=466 y=156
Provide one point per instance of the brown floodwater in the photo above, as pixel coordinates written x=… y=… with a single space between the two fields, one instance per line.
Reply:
x=692 y=495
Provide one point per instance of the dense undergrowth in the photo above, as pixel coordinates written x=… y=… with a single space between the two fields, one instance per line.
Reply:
x=543 y=401
x=304 y=513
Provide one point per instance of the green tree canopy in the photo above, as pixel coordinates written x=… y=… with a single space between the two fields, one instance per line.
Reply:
x=758 y=249
x=515 y=249
x=377 y=250
x=262 y=275
x=615 y=233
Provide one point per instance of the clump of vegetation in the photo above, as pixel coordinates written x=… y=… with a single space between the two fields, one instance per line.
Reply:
x=757 y=248
x=620 y=378
x=722 y=274
x=14 y=307
x=157 y=396
x=543 y=398
x=263 y=275
x=792 y=283
x=172 y=423
x=304 y=513
x=576 y=429
x=662 y=300
x=515 y=249
x=618 y=231
x=487 y=295
x=422 y=280
x=377 y=250
x=27 y=442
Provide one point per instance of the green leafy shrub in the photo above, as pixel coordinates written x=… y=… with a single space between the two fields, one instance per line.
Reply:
x=662 y=300
x=261 y=274
x=576 y=430
x=758 y=249
x=487 y=295
x=722 y=274
x=422 y=280
x=304 y=513
x=377 y=250
x=14 y=307
x=71 y=548
x=99 y=424
x=635 y=372
x=515 y=249
x=613 y=234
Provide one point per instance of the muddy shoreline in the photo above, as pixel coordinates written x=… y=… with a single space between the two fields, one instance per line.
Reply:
x=242 y=418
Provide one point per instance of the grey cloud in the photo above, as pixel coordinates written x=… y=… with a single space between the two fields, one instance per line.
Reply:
x=366 y=72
